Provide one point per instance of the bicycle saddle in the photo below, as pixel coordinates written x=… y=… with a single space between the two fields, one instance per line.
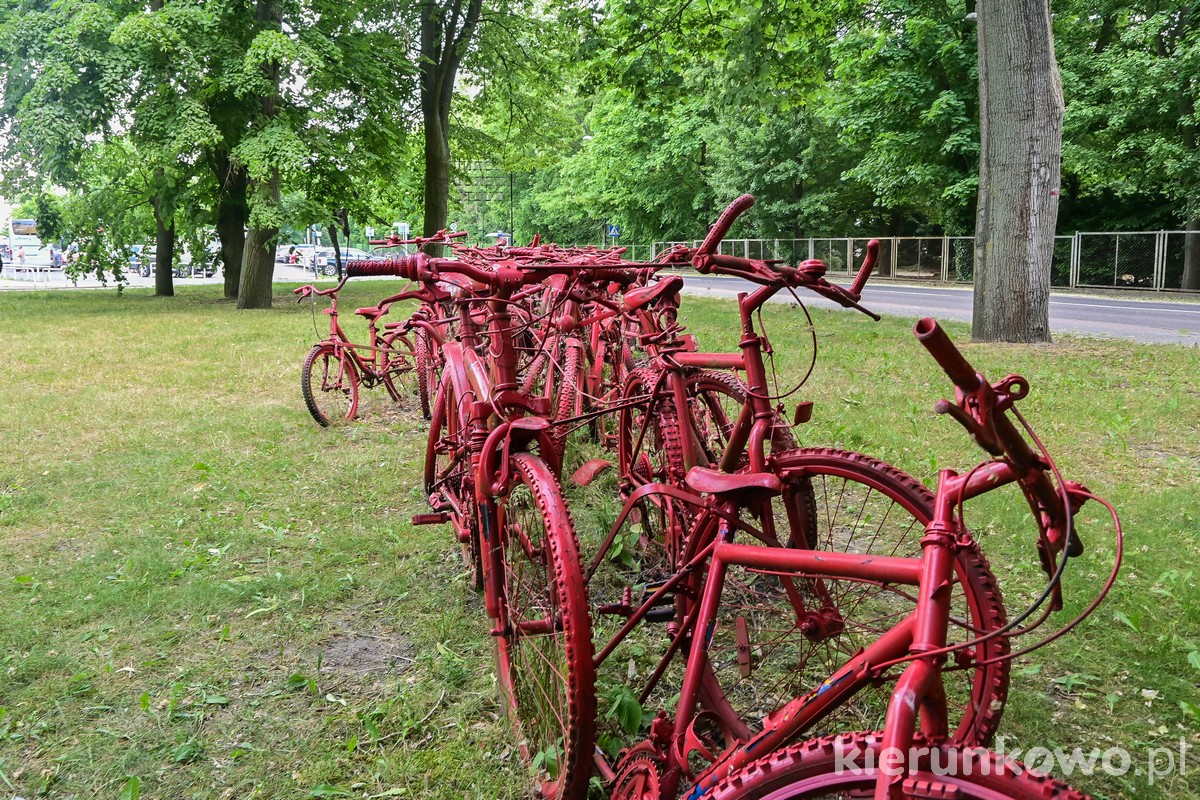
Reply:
x=741 y=487
x=371 y=312
x=644 y=296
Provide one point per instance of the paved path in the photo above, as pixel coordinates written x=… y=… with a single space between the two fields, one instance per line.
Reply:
x=1141 y=320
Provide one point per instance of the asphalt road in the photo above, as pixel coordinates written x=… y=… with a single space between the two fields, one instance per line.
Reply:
x=1138 y=319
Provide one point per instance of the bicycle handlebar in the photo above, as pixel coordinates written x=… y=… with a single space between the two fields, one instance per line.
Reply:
x=810 y=274
x=309 y=290
x=981 y=409
x=724 y=222
x=948 y=357
x=993 y=430
x=364 y=268
x=864 y=272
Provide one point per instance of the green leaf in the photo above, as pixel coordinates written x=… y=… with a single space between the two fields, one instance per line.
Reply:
x=298 y=681
x=325 y=790
x=1194 y=659
x=187 y=752
x=132 y=789
x=1133 y=624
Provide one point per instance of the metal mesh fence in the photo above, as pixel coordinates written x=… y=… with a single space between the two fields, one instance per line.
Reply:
x=1116 y=259
x=919 y=258
x=1181 y=260
x=832 y=251
x=884 y=267
x=1137 y=259
x=961 y=266
x=1060 y=261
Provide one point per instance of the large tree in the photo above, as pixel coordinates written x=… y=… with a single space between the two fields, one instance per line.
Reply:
x=446 y=31
x=1020 y=159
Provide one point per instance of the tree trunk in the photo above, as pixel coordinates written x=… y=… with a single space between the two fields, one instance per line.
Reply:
x=258 y=260
x=337 y=250
x=446 y=31
x=232 y=214
x=1020 y=158
x=1191 y=255
x=258 y=269
x=164 y=251
x=437 y=173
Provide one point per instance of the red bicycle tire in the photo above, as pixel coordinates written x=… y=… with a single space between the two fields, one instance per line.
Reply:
x=426 y=374
x=549 y=692
x=662 y=435
x=566 y=397
x=388 y=366
x=455 y=495
x=821 y=768
x=326 y=353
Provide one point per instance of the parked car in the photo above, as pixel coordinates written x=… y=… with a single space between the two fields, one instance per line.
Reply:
x=323 y=260
x=141 y=259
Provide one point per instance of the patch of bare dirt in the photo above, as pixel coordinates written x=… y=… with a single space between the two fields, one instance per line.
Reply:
x=363 y=655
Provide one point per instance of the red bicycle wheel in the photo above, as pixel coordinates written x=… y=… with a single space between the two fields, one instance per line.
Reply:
x=448 y=482
x=427 y=377
x=394 y=362
x=544 y=648
x=329 y=382
x=567 y=396
x=769 y=647
x=716 y=399
x=837 y=767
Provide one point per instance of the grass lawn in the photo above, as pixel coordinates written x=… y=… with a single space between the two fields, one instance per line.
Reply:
x=204 y=595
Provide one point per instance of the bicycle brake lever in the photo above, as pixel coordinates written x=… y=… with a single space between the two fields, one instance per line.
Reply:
x=977 y=431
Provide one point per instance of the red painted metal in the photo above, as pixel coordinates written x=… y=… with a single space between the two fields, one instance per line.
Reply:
x=731 y=495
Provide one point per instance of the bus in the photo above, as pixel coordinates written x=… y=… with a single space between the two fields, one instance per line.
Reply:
x=23 y=233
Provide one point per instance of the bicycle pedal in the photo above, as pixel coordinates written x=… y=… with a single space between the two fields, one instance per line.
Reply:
x=661 y=614
x=430 y=519
x=924 y=789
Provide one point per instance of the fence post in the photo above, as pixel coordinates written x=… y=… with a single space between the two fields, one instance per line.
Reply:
x=1074 y=271
x=945 y=259
x=1160 y=261
x=895 y=255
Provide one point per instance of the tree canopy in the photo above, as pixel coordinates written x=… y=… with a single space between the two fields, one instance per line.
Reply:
x=846 y=118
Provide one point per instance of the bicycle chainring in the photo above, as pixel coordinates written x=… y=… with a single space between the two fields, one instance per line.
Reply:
x=639 y=778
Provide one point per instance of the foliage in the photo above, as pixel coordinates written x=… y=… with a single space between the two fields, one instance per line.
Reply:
x=1130 y=131
x=848 y=117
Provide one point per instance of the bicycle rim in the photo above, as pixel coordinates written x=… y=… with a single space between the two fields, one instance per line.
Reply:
x=544 y=650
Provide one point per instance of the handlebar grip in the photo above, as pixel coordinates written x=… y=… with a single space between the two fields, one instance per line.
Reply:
x=724 y=222
x=935 y=340
x=399 y=267
x=860 y=279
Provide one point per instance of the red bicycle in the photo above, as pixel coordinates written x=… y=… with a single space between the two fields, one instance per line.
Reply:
x=492 y=469
x=335 y=367
x=814 y=586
